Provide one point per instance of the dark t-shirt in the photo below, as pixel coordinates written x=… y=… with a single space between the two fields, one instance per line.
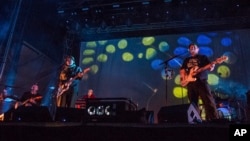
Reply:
x=28 y=95
x=69 y=73
x=198 y=60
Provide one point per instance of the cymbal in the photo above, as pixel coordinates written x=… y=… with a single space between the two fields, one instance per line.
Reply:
x=221 y=93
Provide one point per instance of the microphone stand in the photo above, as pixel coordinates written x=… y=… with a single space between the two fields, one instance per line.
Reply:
x=168 y=72
x=149 y=99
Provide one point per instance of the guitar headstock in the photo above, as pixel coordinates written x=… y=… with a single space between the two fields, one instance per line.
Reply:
x=221 y=59
x=80 y=74
x=86 y=70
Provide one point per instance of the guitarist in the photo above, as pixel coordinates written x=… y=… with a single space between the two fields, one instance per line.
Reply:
x=198 y=88
x=69 y=77
x=30 y=98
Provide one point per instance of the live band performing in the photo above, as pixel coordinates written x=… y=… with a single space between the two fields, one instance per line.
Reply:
x=178 y=69
x=212 y=105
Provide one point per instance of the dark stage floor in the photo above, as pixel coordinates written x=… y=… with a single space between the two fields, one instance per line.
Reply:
x=37 y=124
x=76 y=131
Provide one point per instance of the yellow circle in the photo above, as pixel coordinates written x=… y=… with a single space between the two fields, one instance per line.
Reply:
x=110 y=48
x=146 y=41
x=180 y=92
x=127 y=57
x=223 y=71
x=150 y=53
x=122 y=44
x=102 y=58
x=213 y=79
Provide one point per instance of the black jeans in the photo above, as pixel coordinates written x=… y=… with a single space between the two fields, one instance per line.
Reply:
x=200 y=89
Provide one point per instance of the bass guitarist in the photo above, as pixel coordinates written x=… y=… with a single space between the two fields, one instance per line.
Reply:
x=196 y=67
x=69 y=77
x=30 y=98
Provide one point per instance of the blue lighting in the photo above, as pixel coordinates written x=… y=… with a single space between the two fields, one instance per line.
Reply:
x=184 y=41
x=182 y=51
x=175 y=63
x=212 y=34
x=4 y=29
x=226 y=41
x=156 y=64
x=206 y=51
x=203 y=40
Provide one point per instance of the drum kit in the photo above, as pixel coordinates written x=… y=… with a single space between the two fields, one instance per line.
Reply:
x=229 y=108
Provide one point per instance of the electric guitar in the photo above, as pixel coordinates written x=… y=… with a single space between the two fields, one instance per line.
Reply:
x=65 y=86
x=26 y=101
x=186 y=78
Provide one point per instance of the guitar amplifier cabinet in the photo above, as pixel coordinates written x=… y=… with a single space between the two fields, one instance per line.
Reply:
x=185 y=113
x=109 y=109
x=31 y=114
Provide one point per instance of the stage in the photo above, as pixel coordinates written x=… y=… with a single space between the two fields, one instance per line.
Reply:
x=72 y=124
x=76 y=131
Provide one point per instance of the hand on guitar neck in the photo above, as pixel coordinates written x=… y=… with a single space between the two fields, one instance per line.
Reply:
x=186 y=78
x=80 y=74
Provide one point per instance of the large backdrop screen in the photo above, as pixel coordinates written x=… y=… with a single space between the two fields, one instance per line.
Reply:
x=146 y=69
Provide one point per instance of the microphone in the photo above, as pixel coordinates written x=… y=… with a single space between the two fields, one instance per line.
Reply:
x=155 y=90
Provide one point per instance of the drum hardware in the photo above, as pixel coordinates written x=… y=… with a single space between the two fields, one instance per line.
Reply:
x=221 y=94
x=231 y=110
x=224 y=113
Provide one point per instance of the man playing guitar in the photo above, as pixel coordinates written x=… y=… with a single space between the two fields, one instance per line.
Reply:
x=194 y=75
x=30 y=98
x=69 y=78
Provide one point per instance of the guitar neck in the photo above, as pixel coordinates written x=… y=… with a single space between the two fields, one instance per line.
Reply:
x=204 y=68
x=217 y=61
x=35 y=98
x=207 y=67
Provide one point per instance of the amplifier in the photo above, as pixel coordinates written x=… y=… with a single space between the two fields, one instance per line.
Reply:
x=108 y=109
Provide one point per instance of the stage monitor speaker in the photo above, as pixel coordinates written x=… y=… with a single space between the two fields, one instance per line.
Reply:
x=140 y=116
x=69 y=114
x=185 y=113
x=31 y=114
x=173 y=114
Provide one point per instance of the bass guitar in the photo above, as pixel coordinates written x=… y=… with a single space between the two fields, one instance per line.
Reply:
x=18 y=104
x=186 y=78
x=61 y=89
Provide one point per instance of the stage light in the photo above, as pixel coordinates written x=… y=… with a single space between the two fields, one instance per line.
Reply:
x=116 y=6
x=60 y=11
x=167 y=1
x=85 y=9
x=145 y=3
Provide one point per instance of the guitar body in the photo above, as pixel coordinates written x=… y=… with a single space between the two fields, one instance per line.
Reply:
x=61 y=89
x=186 y=78
x=64 y=87
x=18 y=104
